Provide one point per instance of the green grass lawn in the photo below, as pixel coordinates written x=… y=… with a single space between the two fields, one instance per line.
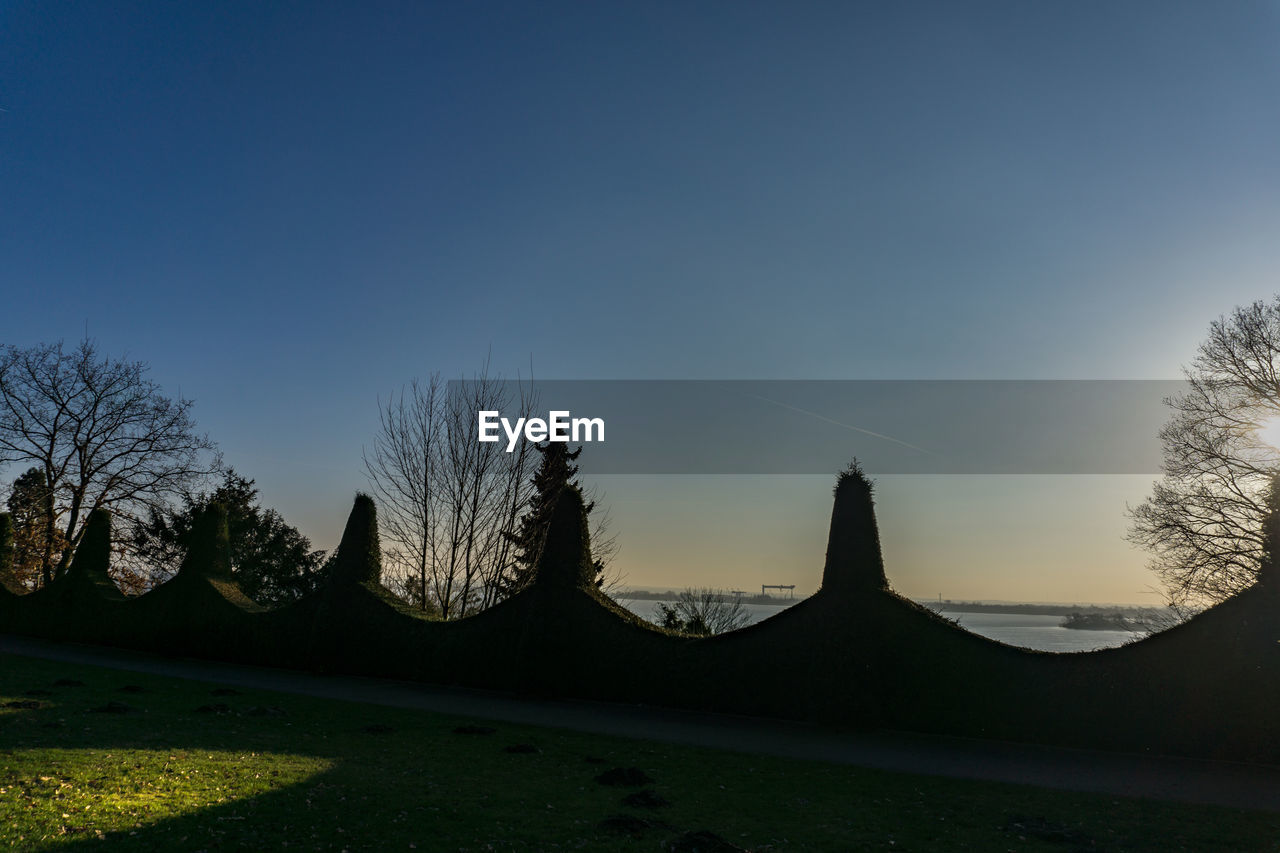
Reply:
x=278 y=771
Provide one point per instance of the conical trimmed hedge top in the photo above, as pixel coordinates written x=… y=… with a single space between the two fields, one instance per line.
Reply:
x=854 y=563
x=209 y=548
x=359 y=557
x=566 y=554
x=93 y=554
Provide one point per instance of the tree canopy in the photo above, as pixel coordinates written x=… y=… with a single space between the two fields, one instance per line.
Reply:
x=1204 y=520
x=271 y=560
x=101 y=435
x=31 y=508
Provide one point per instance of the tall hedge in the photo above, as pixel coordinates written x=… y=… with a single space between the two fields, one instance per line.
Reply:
x=896 y=662
x=359 y=556
x=209 y=546
x=566 y=555
x=854 y=562
x=87 y=581
x=93 y=555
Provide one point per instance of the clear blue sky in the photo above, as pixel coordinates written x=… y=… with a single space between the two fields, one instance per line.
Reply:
x=288 y=209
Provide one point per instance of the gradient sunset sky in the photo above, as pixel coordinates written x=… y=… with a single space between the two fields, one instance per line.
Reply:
x=290 y=209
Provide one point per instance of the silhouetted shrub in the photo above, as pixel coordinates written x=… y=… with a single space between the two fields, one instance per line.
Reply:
x=703 y=612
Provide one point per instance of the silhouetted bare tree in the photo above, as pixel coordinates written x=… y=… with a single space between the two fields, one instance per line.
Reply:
x=100 y=432
x=1204 y=518
x=447 y=498
x=450 y=503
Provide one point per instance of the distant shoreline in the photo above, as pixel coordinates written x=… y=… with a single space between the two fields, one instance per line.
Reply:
x=1127 y=610
x=673 y=595
x=1092 y=617
x=1088 y=614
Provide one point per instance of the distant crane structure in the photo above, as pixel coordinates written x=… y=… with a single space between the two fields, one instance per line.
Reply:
x=790 y=588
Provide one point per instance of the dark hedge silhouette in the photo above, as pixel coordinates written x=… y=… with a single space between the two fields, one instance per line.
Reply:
x=354 y=622
x=202 y=610
x=80 y=604
x=855 y=654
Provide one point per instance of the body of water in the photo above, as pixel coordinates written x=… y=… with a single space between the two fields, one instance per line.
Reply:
x=1042 y=632
x=645 y=608
x=1031 y=631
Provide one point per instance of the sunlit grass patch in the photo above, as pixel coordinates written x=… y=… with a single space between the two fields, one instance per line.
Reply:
x=50 y=794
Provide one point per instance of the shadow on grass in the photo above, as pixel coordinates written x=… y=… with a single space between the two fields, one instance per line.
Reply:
x=109 y=760
x=184 y=765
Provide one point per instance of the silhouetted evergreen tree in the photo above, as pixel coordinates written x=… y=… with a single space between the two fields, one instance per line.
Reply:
x=555 y=472
x=31 y=504
x=270 y=559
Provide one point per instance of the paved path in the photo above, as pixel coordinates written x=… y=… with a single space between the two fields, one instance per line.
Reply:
x=1187 y=780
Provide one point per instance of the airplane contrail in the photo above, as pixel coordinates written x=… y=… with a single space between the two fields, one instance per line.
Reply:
x=822 y=417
